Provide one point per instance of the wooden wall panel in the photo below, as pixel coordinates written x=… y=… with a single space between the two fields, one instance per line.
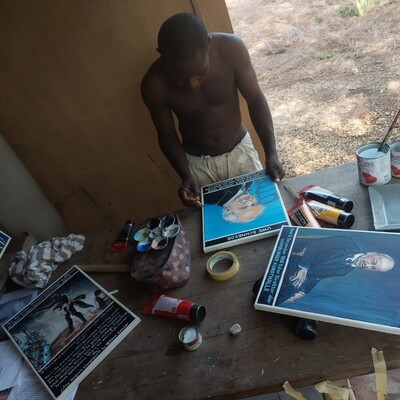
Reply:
x=70 y=103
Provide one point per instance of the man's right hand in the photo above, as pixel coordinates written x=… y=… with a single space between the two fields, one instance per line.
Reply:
x=191 y=199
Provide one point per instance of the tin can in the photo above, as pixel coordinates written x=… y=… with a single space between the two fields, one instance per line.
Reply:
x=373 y=165
x=190 y=338
x=395 y=158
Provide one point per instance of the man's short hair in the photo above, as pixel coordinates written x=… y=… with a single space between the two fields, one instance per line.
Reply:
x=181 y=37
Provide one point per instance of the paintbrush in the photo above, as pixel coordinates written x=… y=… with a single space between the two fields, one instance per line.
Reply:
x=389 y=132
x=171 y=177
x=297 y=196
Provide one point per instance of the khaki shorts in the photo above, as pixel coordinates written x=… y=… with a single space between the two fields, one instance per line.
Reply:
x=241 y=160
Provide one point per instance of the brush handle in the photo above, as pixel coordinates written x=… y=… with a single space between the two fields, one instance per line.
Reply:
x=170 y=176
x=389 y=132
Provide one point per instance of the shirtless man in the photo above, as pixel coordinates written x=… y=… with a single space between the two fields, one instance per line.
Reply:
x=197 y=77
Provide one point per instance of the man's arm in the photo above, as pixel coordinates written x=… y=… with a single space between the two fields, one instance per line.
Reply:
x=260 y=114
x=168 y=140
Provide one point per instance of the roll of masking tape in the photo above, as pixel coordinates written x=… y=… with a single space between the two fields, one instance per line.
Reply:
x=228 y=273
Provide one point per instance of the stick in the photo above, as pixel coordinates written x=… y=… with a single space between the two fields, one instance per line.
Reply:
x=389 y=132
x=169 y=175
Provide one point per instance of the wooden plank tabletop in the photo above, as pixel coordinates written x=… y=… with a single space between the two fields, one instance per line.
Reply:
x=151 y=363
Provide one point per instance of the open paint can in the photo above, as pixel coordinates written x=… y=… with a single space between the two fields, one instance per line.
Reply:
x=373 y=165
x=395 y=157
x=190 y=338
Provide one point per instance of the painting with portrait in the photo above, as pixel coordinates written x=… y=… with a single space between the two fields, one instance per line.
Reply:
x=241 y=209
x=332 y=275
x=68 y=329
x=4 y=241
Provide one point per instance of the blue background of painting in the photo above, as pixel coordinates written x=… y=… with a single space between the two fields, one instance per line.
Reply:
x=361 y=295
x=215 y=226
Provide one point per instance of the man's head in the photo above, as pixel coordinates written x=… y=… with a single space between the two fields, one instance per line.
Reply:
x=183 y=45
x=375 y=262
x=244 y=208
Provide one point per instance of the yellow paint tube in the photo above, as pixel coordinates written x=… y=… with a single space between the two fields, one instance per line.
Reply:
x=331 y=215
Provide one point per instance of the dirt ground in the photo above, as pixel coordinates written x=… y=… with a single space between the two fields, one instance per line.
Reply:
x=331 y=78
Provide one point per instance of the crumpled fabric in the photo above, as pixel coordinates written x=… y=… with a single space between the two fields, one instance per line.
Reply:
x=32 y=269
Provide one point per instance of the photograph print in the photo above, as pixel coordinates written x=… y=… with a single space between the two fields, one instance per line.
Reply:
x=339 y=276
x=68 y=329
x=4 y=241
x=241 y=209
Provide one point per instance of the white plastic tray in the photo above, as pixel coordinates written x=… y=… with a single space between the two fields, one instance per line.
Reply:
x=385 y=204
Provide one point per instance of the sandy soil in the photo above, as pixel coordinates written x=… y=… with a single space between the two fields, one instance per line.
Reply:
x=331 y=78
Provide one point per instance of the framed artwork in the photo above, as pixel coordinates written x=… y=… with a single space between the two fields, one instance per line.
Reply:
x=240 y=210
x=346 y=277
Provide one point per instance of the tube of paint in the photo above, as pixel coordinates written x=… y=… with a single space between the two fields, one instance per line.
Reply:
x=313 y=192
x=123 y=237
x=168 y=306
x=301 y=215
x=332 y=215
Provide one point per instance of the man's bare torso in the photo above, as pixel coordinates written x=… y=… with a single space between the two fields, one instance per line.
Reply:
x=209 y=116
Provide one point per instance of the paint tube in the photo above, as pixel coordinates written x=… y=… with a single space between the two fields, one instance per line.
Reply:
x=123 y=237
x=168 y=306
x=301 y=215
x=313 y=192
x=331 y=215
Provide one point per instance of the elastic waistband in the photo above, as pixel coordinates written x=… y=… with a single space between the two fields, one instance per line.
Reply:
x=194 y=152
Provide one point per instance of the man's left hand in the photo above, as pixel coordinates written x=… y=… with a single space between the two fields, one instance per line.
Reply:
x=274 y=168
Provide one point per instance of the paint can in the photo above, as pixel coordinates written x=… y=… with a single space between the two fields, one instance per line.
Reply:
x=395 y=158
x=373 y=165
x=190 y=338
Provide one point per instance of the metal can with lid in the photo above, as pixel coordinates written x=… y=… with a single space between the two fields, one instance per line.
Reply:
x=373 y=165
x=190 y=338
x=395 y=157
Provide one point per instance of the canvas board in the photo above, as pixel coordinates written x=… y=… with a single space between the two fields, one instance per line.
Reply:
x=4 y=241
x=68 y=329
x=334 y=289
x=240 y=210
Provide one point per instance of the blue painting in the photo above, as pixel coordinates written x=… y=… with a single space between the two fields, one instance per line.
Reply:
x=347 y=277
x=241 y=209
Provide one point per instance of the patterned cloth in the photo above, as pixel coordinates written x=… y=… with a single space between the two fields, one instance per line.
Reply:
x=32 y=269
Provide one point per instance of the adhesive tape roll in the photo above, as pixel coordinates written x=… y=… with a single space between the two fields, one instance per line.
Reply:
x=220 y=256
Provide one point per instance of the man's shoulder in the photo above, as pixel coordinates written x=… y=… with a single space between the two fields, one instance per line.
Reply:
x=152 y=83
x=229 y=46
x=226 y=40
x=224 y=36
x=153 y=73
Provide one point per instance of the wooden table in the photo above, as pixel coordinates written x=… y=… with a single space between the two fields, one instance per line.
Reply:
x=151 y=363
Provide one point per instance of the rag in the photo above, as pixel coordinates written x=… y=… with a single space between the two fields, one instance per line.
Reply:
x=33 y=268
